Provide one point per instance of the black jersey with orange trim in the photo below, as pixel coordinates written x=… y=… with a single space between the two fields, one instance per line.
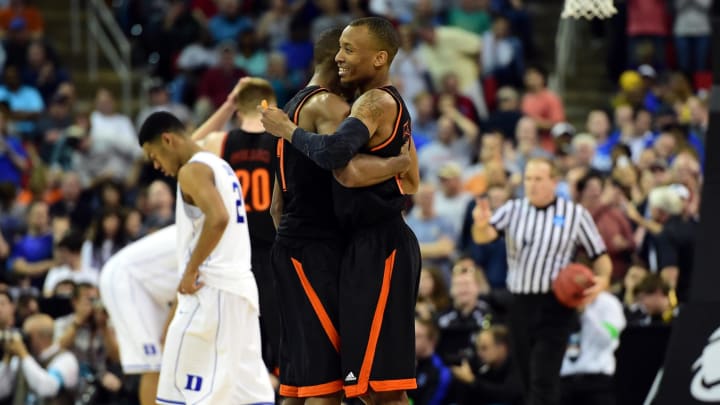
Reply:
x=306 y=188
x=252 y=156
x=364 y=206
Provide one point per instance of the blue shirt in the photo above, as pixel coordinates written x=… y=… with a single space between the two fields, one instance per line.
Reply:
x=25 y=98
x=32 y=249
x=223 y=29
x=8 y=171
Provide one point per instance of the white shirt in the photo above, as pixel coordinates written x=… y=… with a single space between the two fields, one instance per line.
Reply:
x=228 y=266
x=62 y=372
x=113 y=137
x=592 y=349
x=56 y=275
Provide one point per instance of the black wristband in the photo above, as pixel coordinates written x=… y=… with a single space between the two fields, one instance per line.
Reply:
x=332 y=151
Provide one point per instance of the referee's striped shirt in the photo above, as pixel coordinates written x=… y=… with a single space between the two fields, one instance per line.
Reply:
x=541 y=241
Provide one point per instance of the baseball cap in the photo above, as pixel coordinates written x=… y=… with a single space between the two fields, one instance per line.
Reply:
x=562 y=128
x=647 y=71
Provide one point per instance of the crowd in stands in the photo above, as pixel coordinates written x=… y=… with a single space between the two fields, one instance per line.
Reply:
x=74 y=187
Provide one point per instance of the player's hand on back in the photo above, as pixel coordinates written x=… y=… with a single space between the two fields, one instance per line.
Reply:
x=190 y=284
x=277 y=122
x=404 y=158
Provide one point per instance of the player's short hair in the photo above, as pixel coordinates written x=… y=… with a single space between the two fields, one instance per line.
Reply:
x=327 y=46
x=255 y=91
x=386 y=36
x=158 y=123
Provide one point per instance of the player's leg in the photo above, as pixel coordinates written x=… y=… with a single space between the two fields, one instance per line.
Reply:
x=306 y=276
x=378 y=350
x=148 y=388
x=269 y=311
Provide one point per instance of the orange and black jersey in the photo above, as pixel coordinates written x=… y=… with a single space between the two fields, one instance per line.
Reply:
x=252 y=156
x=306 y=188
x=364 y=206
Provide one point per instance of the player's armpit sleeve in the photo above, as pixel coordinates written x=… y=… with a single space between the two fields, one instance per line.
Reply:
x=334 y=151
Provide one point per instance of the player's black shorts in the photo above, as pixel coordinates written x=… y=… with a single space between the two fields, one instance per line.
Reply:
x=269 y=311
x=307 y=279
x=379 y=279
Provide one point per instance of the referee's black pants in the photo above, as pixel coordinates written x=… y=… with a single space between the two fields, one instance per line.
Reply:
x=587 y=389
x=540 y=328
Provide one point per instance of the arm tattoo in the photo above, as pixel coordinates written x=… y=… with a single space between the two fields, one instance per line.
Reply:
x=370 y=106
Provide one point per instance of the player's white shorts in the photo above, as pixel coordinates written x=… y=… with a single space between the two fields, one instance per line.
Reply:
x=213 y=354
x=138 y=319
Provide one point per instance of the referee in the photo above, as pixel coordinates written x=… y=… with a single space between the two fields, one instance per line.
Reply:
x=541 y=233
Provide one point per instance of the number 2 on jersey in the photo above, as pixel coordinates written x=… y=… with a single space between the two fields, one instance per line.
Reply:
x=257 y=183
x=238 y=203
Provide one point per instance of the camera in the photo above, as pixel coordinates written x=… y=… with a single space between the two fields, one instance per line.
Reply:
x=6 y=336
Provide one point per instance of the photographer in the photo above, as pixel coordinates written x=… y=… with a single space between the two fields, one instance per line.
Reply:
x=45 y=371
x=87 y=334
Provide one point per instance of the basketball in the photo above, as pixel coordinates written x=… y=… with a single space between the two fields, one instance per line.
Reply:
x=570 y=284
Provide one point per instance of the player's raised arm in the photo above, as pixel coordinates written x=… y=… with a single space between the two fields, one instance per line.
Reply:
x=335 y=151
x=197 y=183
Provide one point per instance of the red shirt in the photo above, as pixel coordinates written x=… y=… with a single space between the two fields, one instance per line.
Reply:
x=216 y=84
x=647 y=17
x=543 y=105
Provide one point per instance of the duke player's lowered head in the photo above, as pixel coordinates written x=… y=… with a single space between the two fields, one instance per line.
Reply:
x=165 y=141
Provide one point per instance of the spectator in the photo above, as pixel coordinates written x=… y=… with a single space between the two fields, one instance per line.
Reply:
x=539 y=102
x=502 y=54
x=177 y=28
x=298 y=49
x=70 y=266
x=432 y=292
x=159 y=100
x=449 y=146
x=216 y=81
x=107 y=236
x=51 y=126
x=283 y=81
x=14 y=162
x=133 y=225
x=161 y=203
x=584 y=147
x=589 y=364
x=641 y=133
x=470 y=15
x=87 y=334
x=251 y=57
x=442 y=44
x=424 y=123
x=491 y=167
x=25 y=102
x=652 y=303
x=646 y=23
x=691 y=30
x=228 y=22
x=41 y=371
x=434 y=233
x=505 y=118
x=331 y=16
x=495 y=382
x=450 y=96
x=432 y=375
x=633 y=277
x=15 y=44
x=113 y=143
x=274 y=26
x=460 y=325
x=699 y=117
x=598 y=125
x=198 y=55
x=27 y=306
x=409 y=73
x=18 y=12
x=42 y=72
x=7 y=310
x=528 y=143
x=32 y=255
x=450 y=199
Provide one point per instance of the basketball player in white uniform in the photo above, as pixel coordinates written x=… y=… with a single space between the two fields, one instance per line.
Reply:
x=137 y=285
x=212 y=351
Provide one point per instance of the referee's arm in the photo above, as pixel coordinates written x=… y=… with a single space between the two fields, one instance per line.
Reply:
x=485 y=224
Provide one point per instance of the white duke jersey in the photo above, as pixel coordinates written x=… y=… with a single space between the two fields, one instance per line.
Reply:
x=228 y=266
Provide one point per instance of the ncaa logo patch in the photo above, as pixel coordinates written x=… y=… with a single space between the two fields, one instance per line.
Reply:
x=559 y=220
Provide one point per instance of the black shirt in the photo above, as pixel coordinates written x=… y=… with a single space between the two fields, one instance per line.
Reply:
x=306 y=188
x=252 y=157
x=366 y=206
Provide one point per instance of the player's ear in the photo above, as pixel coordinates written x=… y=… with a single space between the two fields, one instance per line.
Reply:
x=381 y=58
x=166 y=138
